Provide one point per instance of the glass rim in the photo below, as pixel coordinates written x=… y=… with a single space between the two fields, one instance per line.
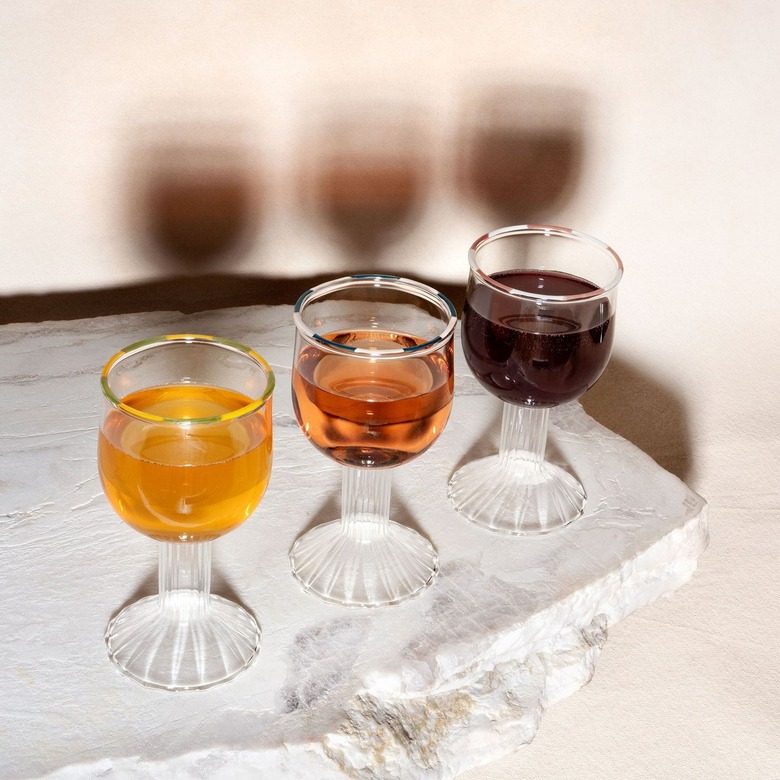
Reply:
x=546 y=230
x=376 y=280
x=186 y=338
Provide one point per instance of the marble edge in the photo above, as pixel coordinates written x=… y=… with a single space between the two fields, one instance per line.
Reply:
x=337 y=752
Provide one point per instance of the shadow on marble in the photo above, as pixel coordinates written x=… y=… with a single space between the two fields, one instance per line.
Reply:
x=330 y=507
x=221 y=586
x=148 y=586
x=400 y=511
x=328 y=510
x=632 y=403
x=485 y=441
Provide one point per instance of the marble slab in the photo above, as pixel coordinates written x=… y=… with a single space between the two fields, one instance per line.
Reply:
x=427 y=689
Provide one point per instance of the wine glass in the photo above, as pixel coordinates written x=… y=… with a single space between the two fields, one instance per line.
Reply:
x=537 y=331
x=372 y=386
x=184 y=455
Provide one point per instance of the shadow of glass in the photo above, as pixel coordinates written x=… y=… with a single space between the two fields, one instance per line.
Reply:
x=149 y=586
x=364 y=175
x=641 y=409
x=330 y=508
x=487 y=442
x=486 y=439
x=193 y=193
x=520 y=151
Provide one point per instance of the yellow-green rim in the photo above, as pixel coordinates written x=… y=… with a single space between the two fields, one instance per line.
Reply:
x=186 y=338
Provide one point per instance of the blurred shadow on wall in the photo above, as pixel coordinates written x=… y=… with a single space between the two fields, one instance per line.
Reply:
x=641 y=409
x=364 y=174
x=520 y=151
x=193 y=194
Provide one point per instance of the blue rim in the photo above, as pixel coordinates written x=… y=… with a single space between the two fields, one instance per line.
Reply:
x=427 y=345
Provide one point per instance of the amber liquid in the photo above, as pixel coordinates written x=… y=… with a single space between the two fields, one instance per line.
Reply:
x=372 y=413
x=177 y=482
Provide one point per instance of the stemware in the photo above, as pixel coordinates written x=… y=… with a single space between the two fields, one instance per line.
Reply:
x=372 y=389
x=537 y=331
x=184 y=456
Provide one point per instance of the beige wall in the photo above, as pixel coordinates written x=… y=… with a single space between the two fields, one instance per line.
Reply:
x=670 y=107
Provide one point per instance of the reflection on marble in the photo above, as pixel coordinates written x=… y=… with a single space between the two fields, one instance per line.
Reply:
x=451 y=680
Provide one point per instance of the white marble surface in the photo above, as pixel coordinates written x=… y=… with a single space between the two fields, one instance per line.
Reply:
x=442 y=684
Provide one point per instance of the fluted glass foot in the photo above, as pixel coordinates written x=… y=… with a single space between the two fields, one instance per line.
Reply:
x=363 y=564
x=191 y=644
x=516 y=496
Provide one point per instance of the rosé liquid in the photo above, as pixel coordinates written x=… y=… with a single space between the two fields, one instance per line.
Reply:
x=368 y=413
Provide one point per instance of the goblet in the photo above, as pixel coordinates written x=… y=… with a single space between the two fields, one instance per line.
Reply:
x=372 y=385
x=184 y=455
x=537 y=331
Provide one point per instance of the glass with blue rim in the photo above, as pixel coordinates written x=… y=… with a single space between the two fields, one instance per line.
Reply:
x=372 y=385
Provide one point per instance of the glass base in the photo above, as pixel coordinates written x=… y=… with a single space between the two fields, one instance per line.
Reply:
x=516 y=496
x=363 y=564
x=193 y=643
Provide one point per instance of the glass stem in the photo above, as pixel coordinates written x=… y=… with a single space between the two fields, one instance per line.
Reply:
x=184 y=577
x=365 y=502
x=524 y=434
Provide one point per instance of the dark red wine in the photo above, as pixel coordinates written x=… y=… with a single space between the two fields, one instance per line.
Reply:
x=537 y=353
